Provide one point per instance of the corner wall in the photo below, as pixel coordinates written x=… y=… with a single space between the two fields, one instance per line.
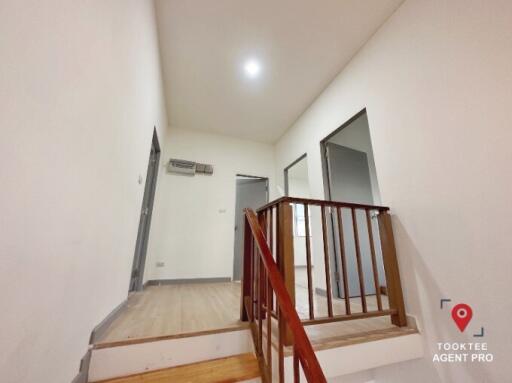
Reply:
x=80 y=94
x=436 y=82
x=192 y=230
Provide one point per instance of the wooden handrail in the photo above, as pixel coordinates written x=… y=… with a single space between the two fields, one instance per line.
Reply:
x=319 y=202
x=303 y=350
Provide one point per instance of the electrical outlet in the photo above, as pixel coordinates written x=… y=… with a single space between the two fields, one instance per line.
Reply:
x=160 y=264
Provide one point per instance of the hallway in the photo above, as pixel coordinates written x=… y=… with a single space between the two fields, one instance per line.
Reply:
x=178 y=310
x=381 y=126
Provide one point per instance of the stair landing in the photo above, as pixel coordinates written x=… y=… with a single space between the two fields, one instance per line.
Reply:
x=176 y=310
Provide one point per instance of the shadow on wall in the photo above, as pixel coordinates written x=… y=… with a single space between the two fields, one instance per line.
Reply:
x=423 y=294
x=359 y=377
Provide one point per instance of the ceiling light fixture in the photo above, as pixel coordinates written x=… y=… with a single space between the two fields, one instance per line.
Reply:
x=252 y=68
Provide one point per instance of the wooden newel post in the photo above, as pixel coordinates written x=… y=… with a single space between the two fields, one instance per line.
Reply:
x=285 y=256
x=394 y=286
x=246 y=295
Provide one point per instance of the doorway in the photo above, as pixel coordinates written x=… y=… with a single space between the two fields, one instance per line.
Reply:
x=139 y=258
x=251 y=192
x=296 y=184
x=350 y=176
x=353 y=178
x=296 y=180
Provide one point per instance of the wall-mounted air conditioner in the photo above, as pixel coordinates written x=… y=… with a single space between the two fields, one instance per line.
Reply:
x=188 y=167
x=181 y=167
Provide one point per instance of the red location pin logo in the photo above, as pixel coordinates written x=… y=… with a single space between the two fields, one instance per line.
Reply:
x=461 y=315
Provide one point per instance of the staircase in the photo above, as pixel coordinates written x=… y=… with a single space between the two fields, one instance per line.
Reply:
x=281 y=339
x=354 y=253
x=239 y=368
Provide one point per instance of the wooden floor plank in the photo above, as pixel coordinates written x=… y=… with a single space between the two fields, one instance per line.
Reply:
x=232 y=369
x=174 y=311
x=177 y=309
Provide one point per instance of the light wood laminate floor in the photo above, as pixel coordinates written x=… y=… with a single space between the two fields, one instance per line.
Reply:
x=177 y=309
x=185 y=309
x=231 y=369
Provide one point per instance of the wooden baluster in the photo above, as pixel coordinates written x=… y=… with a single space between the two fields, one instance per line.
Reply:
x=296 y=373
x=271 y=233
x=343 y=262
x=277 y=239
x=253 y=278
x=261 y=293
x=269 y=329
x=374 y=261
x=263 y=285
x=255 y=281
x=358 y=259
x=393 y=284
x=277 y=255
x=259 y=266
x=268 y=228
x=285 y=255
x=271 y=245
x=326 y=263
x=247 y=273
x=281 y=329
x=309 y=265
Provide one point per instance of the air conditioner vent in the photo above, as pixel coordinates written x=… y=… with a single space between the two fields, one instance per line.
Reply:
x=188 y=167
x=181 y=167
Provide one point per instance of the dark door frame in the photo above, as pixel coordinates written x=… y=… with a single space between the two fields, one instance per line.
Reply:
x=267 y=197
x=328 y=196
x=255 y=177
x=286 y=188
x=141 y=246
x=323 y=151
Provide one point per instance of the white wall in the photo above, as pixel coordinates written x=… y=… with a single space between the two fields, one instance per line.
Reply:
x=80 y=93
x=298 y=187
x=194 y=219
x=358 y=377
x=437 y=83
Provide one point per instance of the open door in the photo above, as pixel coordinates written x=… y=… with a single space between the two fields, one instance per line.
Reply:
x=349 y=181
x=350 y=176
x=251 y=192
x=139 y=259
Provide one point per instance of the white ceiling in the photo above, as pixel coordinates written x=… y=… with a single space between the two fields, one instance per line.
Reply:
x=301 y=44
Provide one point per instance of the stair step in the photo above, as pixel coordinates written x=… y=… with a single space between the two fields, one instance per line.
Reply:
x=236 y=368
x=356 y=338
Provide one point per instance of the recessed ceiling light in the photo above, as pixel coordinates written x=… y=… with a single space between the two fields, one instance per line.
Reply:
x=252 y=68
